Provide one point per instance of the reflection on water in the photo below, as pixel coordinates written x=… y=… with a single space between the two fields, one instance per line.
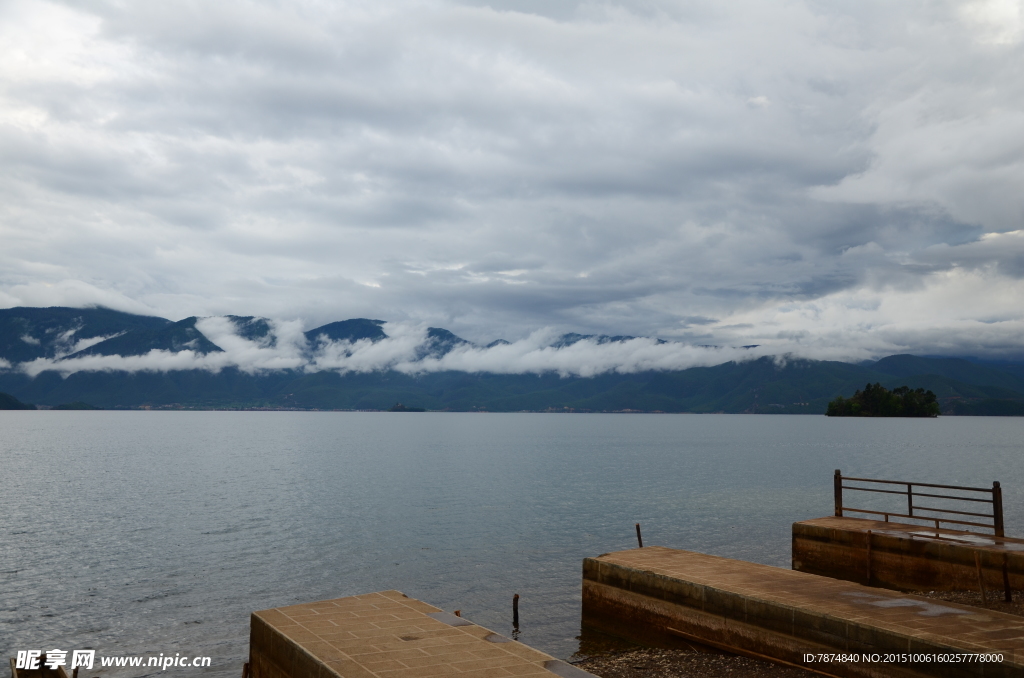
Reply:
x=150 y=532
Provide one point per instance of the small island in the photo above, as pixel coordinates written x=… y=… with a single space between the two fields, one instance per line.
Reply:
x=77 y=405
x=877 y=401
x=399 y=407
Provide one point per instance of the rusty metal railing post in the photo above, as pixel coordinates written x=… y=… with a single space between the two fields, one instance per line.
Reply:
x=997 y=508
x=837 y=483
x=993 y=497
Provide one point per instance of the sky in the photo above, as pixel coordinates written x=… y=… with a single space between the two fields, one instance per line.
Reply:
x=824 y=179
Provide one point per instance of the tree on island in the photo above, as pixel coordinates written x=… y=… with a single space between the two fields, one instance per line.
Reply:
x=877 y=401
x=399 y=407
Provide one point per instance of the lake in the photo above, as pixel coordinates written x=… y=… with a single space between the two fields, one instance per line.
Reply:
x=159 y=532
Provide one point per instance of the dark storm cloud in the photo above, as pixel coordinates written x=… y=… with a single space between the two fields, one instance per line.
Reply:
x=738 y=172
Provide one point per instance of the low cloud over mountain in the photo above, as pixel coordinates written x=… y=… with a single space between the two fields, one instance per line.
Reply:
x=67 y=341
x=105 y=358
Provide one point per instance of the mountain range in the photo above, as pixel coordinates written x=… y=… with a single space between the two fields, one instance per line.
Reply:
x=111 y=359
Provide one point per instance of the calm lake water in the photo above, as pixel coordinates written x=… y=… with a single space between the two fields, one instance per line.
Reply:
x=159 y=532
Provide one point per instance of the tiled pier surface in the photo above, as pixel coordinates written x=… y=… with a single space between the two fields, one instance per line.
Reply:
x=389 y=635
x=907 y=556
x=657 y=591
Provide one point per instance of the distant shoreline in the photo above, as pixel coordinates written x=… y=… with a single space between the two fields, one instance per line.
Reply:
x=299 y=409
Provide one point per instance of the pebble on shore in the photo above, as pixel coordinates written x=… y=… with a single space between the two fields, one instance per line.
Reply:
x=656 y=663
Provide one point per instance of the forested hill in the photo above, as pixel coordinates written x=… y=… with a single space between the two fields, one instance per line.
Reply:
x=757 y=386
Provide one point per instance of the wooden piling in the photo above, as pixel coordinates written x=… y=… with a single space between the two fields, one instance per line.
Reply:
x=639 y=539
x=981 y=579
x=1007 y=592
x=869 y=557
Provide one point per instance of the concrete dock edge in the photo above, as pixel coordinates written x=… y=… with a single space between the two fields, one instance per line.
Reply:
x=784 y=614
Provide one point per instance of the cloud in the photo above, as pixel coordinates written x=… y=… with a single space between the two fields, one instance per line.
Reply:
x=885 y=319
x=407 y=349
x=586 y=358
x=154 y=361
x=399 y=351
x=996 y=22
x=535 y=354
x=495 y=167
x=284 y=348
x=74 y=293
x=841 y=326
x=82 y=344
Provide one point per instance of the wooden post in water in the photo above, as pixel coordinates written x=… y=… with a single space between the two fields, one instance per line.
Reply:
x=837 y=485
x=997 y=508
x=639 y=539
x=515 y=610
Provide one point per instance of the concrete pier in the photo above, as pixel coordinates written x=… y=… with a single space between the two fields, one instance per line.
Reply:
x=386 y=635
x=783 y=614
x=908 y=557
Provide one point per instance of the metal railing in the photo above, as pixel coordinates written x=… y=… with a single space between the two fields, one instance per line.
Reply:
x=995 y=499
